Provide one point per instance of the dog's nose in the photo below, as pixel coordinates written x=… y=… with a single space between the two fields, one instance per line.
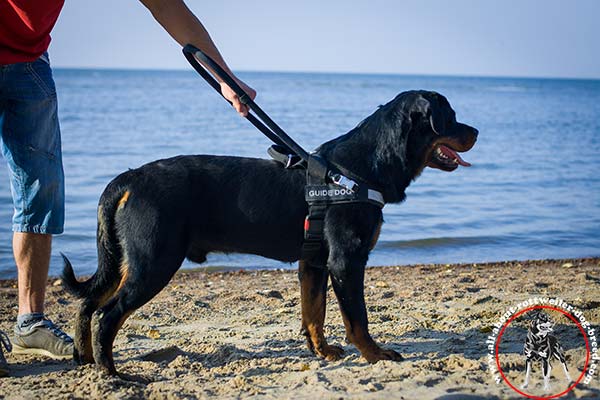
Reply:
x=475 y=132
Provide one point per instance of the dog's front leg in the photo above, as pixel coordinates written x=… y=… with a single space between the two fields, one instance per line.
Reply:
x=527 y=373
x=546 y=368
x=347 y=277
x=313 y=292
x=567 y=375
x=560 y=355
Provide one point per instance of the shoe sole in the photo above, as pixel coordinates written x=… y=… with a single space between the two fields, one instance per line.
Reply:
x=40 y=352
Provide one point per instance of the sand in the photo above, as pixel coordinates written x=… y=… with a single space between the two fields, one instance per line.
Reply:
x=236 y=335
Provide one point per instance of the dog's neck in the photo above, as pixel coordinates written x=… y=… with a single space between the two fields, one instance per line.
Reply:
x=381 y=163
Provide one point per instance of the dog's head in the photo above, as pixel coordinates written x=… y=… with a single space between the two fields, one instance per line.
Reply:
x=393 y=145
x=542 y=324
x=435 y=137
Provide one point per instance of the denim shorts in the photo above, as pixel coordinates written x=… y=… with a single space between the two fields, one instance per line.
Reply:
x=30 y=141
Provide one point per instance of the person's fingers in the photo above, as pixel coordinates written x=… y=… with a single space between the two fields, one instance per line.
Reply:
x=241 y=108
x=237 y=104
x=230 y=95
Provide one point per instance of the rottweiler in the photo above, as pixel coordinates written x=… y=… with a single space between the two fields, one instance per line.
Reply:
x=151 y=218
x=542 y=346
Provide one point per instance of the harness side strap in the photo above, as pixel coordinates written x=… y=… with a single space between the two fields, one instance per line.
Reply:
x=313 y=248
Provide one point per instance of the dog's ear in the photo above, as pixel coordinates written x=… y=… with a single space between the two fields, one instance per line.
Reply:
x=433 y=112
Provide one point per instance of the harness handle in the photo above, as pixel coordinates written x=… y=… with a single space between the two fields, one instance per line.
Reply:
x=271 y=130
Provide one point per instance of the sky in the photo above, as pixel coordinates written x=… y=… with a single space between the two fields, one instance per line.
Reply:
x=529 y=38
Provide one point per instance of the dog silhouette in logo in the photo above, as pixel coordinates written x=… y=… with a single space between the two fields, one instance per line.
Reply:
x=542 y=346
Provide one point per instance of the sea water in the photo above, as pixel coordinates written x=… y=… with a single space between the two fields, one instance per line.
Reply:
x=533 y=190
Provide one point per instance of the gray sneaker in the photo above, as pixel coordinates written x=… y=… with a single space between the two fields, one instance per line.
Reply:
x=42 y=338
x=4 y=341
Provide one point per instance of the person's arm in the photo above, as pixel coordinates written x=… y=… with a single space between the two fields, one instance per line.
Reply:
x=184 y=27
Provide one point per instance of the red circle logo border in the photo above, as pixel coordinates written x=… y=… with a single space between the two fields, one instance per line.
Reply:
x=587 y=348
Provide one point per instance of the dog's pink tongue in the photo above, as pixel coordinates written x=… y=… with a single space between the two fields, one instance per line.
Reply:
x=451 y=153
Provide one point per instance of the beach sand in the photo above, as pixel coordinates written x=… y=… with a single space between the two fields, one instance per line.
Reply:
x=237 y=334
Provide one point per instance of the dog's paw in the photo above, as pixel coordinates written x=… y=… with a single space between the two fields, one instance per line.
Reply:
x=382 y=354
x=331 y=353
x=82 y=358
x=134 y=378
x=326 y=351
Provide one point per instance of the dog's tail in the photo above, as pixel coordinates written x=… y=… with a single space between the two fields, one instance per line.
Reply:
x=108 y=274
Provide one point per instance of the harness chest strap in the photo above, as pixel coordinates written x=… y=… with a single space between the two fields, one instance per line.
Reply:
x=335 y=194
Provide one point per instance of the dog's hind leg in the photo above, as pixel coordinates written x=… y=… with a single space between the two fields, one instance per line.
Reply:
x=106 y=278
x=82 y=353
x=140 y=283
x=313 y=292
x=106 y=322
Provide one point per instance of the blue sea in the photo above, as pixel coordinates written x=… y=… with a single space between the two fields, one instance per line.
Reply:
x=533 y=190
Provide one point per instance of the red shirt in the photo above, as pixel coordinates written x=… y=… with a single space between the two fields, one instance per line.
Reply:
x=25 y=27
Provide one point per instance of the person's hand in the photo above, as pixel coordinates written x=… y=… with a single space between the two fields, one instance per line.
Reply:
x=230 y=95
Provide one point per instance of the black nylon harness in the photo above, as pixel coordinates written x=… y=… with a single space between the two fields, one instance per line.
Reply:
x=320 y=193
x=325 y=184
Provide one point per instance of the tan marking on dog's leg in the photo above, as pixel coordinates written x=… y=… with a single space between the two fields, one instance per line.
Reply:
x=123 y=199
x=313 y=292
x=112 y=292
x=124 y=271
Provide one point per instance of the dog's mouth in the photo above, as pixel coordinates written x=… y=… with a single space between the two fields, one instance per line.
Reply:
x=545 y=327
x=445 y=158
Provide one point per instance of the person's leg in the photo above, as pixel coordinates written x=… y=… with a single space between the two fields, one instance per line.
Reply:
x=32 y=148
x=32 y=255
x=4 y=340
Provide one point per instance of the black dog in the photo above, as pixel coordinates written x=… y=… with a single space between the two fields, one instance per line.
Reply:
x=542 y=346
x=151 y=218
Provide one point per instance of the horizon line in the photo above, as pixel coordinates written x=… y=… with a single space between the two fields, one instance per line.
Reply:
x=408 y=74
